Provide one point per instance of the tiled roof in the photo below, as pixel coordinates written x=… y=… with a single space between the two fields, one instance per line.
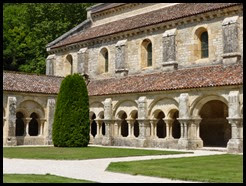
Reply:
x=20 y=82
x=158 y=16
x=211 y=76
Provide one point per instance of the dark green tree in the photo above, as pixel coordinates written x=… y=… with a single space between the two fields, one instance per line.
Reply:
x=29 y=27
x=71 y=125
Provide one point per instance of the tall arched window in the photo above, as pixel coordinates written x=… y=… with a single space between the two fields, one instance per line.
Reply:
x=19 y=129
x=146 y=53
x=68 y=65
x=33 y=125
x=204 y=44
x=103 y=61
x=149 y=55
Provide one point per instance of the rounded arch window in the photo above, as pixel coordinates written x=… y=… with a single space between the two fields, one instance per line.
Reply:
x=202 y=43
x=146 y=53
x=103 y=66
x=69 y=64
x=19 y=129
x=33 y=125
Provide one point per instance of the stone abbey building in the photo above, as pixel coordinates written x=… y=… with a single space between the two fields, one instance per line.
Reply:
x=166 y=75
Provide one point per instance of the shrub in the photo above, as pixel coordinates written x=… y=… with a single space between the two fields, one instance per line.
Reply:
x=71 y=125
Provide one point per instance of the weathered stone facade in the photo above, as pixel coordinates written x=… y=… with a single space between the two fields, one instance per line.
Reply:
x=187 y=118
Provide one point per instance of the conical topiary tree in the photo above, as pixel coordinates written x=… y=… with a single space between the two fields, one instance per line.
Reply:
x=71 y=125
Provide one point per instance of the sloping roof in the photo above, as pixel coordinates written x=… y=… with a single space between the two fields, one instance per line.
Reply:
x=20 y=82
x=211 y=76
x=158 y=16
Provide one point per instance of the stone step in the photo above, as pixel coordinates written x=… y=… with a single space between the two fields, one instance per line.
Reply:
x=220 y=149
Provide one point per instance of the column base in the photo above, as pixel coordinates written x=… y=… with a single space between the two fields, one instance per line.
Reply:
x=190 y=144
x=10 y=141
x=235 y=146
x=107 y=141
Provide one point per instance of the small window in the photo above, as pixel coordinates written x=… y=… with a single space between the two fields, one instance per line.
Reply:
x=204 y=45
x=146 y=53
x=103 y=61
x=149 y=55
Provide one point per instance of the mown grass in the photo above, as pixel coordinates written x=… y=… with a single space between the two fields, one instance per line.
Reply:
x=59 y=153
x=216 y=168
x=34 y=178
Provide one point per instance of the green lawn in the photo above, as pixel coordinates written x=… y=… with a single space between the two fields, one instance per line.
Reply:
x=59 y=153
x=34 y=178
x=216 y=168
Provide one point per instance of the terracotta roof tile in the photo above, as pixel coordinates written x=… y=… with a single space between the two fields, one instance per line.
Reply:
x=180 y=79
x=146 y=19
x=20 y=82
x=211 y=76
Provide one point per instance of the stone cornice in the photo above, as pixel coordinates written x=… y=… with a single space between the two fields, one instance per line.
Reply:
x=229 y=11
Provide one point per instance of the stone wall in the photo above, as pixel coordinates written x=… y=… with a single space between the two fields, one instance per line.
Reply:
x=184 y=49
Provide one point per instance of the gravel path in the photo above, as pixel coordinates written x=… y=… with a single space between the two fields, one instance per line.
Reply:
x=93 y=170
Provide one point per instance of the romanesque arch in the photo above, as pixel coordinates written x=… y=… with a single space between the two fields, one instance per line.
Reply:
x=164 y=104
x=214 y=127
x=68 y=65
x=127 y=106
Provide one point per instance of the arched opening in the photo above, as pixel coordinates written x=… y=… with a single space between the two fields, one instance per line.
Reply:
x=103 y=128
x=33 y=125
x=103 y=66
x=146 y=53
x=135 y=124
x=215 y=130
x=124 y=125
x=69 y=64
x=176 y=126
x=93 y=125
x=204 y=44
x=161 y=125
x=20 y=125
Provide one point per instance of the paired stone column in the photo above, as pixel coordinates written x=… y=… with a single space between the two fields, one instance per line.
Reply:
x=41 y=129
x=235 y=144
x=169 y=123
x=153 y=132
x=130 y=128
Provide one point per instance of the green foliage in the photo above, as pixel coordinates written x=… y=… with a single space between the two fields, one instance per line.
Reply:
x=71 y=125
x=29 y=27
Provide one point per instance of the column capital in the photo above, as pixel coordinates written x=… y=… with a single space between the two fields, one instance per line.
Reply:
x=235 y=121
x=168 y=120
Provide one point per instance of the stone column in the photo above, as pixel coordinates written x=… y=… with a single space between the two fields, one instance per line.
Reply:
x=108 y=138
x=143 y=121
x=41 y=130
x=184 y=118
x=169 y=123
x=82 y=61
x=230 y=30
x=120 y=58
x=153 y=128
x=169 y=50
x=50 y=119
x=27 y=126
x=235 y=144
x=50 y=60
x=130 y=127
x=98 y=121
x=10 y=139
